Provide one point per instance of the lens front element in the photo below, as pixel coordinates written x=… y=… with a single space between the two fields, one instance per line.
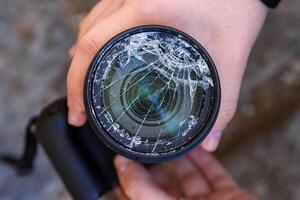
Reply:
x=151 y=91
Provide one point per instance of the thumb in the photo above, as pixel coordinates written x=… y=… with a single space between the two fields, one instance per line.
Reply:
x=136 y=181
x=227 y=111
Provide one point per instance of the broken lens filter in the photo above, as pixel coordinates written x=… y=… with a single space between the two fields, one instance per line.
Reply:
x=152 y=93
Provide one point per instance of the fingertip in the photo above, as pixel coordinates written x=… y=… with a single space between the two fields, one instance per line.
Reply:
x=211 y=143
x=120 y=163
x=208 y=146
x=76 y=113
x=76 y=118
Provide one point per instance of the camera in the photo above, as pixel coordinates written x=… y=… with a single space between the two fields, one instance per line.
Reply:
x=151 y=94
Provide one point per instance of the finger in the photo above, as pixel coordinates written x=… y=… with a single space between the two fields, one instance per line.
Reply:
x=72 y=51
x=87 y=20
x=99 y=12
x=76 y=118
x=120 y=193
x=136 y=181
x=212 y=141
x=159 y=175
x=192 y=182
x=162 y=178
x=214 y=172
x=86 y=50
x=227 y=110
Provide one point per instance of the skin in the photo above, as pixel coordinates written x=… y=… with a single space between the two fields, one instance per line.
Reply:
x=197 y=176
x=227 y=29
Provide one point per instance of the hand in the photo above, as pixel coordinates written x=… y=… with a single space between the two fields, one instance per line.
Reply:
x=196 y=176
x=227 y=29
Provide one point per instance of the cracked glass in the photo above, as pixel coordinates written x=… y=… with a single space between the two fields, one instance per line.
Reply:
x=150 y=89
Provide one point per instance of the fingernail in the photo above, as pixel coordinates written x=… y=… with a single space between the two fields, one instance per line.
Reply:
x=121 y=163
x=212 y=142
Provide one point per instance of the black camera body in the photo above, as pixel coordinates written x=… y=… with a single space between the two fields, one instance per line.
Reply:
x=82 y=161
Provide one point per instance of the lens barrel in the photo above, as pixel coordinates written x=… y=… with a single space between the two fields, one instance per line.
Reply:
x=152 y=93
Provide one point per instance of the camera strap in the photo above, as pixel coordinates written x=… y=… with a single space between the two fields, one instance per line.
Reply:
x=24 y=164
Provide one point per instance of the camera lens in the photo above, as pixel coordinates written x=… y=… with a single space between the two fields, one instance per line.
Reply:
x=152 y=93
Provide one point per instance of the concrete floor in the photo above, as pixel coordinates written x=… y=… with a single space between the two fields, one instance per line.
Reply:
x=261 y=147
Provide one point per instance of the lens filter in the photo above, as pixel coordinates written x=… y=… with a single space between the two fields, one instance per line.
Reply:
x=152 y=93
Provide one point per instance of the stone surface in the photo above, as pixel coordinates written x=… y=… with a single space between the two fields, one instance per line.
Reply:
x=261 y=147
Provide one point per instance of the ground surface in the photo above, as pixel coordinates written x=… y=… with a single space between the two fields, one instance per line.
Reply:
x=261 y=147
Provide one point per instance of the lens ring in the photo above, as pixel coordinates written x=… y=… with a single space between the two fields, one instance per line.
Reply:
x=152 y=93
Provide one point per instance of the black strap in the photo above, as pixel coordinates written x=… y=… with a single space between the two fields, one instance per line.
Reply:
x=271 y=3
x=24 y=164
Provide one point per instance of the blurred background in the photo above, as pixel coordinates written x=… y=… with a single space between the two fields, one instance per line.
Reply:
x=261 y=147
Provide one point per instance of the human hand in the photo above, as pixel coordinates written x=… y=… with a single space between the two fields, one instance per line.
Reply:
x=227 y=29
x=197 y=176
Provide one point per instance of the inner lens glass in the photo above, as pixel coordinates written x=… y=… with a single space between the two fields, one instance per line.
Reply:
x=150 y=89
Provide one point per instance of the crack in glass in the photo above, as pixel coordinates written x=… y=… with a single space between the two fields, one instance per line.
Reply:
x=152 y=91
